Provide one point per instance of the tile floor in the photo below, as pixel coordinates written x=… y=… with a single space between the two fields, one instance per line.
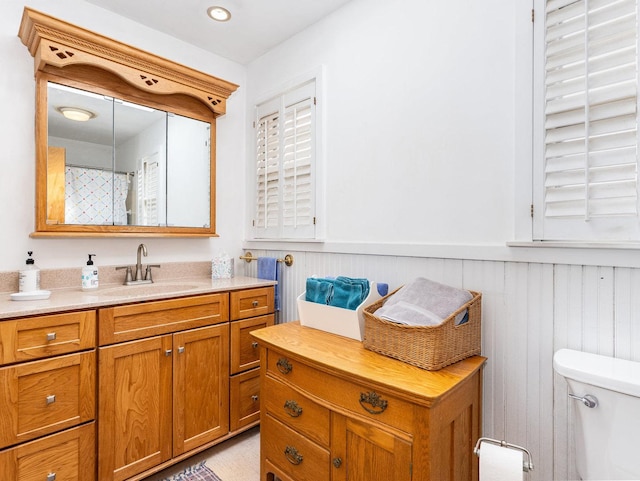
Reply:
x=237 y=459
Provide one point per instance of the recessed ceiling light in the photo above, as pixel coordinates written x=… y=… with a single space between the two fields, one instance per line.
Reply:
x=79 y=115
x=219 y=13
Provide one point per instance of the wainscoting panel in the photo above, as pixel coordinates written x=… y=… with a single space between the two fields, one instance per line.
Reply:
x=529 y=310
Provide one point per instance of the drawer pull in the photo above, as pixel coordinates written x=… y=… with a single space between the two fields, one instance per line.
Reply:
x=255 y=303
x=254 y=398
x=180 y=349
x=51 y=336
x=284 y=366
x=51 y=399
x=378 y=405
x=292 y=455
x=167 y=352
x=337 y=462
x=254 y=345
x=292 y=409
x=51 y=477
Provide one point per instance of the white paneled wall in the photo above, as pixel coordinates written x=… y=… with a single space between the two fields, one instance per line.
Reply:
x=529 y=311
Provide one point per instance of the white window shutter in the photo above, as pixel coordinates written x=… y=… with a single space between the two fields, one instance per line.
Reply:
x=590 y=172
x=285 y=166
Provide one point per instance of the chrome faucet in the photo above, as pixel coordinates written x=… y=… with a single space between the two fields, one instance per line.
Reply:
x=142 y=249
x=130 y=279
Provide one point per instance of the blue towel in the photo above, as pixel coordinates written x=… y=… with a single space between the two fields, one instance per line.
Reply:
x=319 y=291
x=268 y=269
x=344 y=292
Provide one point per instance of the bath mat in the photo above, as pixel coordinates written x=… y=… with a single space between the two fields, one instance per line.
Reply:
x=199 y=472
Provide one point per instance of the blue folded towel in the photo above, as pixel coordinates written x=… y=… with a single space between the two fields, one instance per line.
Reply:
x=344 y=292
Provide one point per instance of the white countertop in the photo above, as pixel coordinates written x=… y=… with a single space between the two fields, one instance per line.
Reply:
x=67 y=299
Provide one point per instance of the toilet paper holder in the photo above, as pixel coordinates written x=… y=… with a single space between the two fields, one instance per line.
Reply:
x=527 y=463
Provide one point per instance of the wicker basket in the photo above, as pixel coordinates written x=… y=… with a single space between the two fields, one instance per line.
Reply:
x=428 y=347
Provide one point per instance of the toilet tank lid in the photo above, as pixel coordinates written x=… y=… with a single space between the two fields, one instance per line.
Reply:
x=607 y=372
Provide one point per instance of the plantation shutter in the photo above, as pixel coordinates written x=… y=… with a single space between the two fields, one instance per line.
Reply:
x=285 y=155
x=590 y=172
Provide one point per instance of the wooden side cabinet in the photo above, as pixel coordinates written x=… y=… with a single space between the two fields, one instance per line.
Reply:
x=336 y=411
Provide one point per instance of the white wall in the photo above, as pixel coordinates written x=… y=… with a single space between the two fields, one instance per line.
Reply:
x=419 y=118
x=17 y=161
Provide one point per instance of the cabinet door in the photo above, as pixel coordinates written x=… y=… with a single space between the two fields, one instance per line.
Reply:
x=134 y=407
x=201 y=386
x=362 y=451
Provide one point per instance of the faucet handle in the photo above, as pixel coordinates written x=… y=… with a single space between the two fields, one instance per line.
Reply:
x=147 y=276
x=129 y=275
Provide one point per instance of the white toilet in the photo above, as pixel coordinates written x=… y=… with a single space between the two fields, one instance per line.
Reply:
x=606 y=421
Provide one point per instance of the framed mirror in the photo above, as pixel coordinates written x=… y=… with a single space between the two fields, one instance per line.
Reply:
x=112 y=162
x=125 y=140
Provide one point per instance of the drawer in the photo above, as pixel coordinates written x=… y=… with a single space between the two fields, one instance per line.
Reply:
x=252 y=302
x=42 y=397
x=358 y=398
x=245 y=399
x=145 y=319
x=245 y=353
x=296 y=410
x=66 y=456
x=44 y=336
x=292 y=453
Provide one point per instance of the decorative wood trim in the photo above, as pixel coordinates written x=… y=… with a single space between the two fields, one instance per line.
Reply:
x=57 y=43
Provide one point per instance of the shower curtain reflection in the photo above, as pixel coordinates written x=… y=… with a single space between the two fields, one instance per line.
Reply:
x=94 y=196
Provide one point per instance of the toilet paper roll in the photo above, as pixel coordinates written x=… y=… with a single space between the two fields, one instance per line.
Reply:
x=499 y=463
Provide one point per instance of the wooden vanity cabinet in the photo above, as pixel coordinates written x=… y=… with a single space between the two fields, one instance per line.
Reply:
x=164 y=395
x=335 y=411
x=48 y=379
x=250 y=309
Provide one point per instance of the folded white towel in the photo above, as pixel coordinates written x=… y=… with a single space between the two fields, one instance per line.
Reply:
x=424 y=302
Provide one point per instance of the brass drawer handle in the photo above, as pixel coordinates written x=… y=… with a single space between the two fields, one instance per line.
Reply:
x=51 y=336
x=284 y=366
x=378 y=405
x=51 y=477
x=255 y=303
x=51 y=399
x=293 y=456
x=292 y=409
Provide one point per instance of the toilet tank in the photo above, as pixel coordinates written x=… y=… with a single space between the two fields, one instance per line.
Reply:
x=606 y=436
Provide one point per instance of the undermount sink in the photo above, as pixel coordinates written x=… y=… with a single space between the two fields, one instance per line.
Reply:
x=145 y=290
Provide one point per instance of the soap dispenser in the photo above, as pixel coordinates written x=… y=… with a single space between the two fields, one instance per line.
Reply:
x=29 y=277
x=89 y=275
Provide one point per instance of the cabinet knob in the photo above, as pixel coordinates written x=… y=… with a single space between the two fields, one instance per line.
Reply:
x=292 y=409
x=378 y=405
x=284 y=366
x=337 y=462
x=51 y=399
x=51 y=336
x=51 y=477
x=254 y=398
x=167 y=352
x=180 y=349
x=254 y=345
x=255 y=303
x=292 y=455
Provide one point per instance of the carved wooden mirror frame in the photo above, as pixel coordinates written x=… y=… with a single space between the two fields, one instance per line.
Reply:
x=78 y=57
